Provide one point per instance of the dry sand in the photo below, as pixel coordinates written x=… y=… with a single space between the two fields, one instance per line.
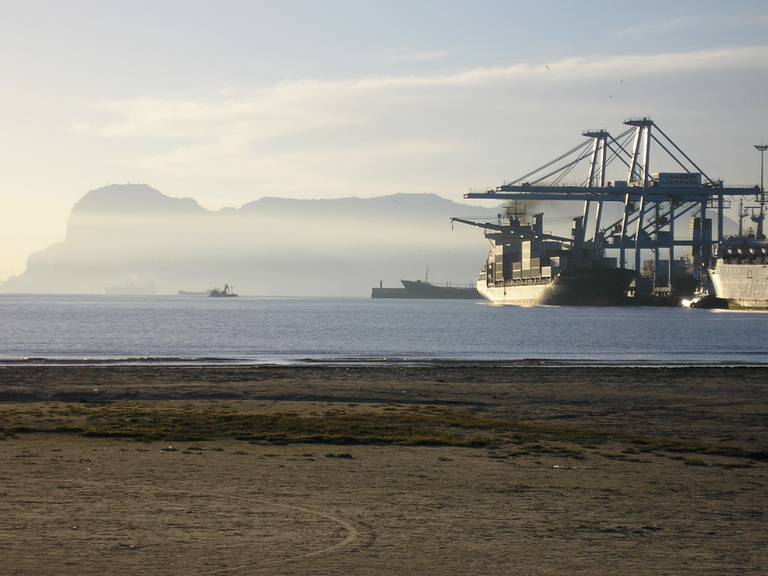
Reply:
x=581 y=471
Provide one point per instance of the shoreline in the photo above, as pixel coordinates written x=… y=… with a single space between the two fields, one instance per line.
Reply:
x=39 y=362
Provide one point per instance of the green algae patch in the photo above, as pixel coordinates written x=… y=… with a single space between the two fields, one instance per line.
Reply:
x=392 y=424
x=157 y=421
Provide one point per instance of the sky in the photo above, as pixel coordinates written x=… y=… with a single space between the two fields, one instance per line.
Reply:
x=230 y=101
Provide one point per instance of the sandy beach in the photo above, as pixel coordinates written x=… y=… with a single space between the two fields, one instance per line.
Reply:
x=443 y=469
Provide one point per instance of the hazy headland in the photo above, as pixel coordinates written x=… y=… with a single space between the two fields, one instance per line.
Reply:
x=133 y=236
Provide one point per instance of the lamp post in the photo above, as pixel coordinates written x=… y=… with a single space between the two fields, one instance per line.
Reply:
x=762 y=148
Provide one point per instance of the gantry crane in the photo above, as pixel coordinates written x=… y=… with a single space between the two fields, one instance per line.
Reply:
x=651 y=202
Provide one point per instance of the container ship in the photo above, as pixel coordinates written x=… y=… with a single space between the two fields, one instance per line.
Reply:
x=526 y=267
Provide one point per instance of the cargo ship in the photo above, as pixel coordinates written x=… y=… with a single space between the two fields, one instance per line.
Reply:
x=427 y=290
x=527 y=267
x=739 y=272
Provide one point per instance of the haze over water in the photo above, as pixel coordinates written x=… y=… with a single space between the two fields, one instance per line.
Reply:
x=94 y=328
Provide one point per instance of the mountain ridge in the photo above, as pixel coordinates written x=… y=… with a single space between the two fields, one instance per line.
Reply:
x=133 y=234
x=133 y=198
x=141 y=198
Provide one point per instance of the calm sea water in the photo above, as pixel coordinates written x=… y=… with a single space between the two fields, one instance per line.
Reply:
x=289 y=330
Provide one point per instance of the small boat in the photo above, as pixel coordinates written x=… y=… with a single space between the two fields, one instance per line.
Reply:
x=703 y=299
x=226 y=292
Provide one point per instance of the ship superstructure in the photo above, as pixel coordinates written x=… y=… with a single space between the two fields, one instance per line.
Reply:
x=626 y=218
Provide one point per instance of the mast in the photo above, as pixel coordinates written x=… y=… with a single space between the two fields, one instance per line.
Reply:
x=761 y=216
x=742 y=215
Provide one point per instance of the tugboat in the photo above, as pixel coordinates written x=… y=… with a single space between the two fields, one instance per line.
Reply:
x=226 y=292
x=704 y=299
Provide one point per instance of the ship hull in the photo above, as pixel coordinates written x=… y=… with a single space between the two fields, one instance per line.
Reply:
x=418 y=289
x=741 y=285
x=425 y=290
x=514 y=295
x=597 y=287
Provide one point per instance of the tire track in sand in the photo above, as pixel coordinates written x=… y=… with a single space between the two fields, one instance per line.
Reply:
x=352 y=535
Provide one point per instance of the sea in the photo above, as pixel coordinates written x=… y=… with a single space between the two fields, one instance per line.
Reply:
x=47 y=329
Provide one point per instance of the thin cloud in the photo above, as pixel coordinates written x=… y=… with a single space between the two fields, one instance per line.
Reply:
x=333 y=135
x=698 y=23
x=422 y=56
x=657 y=27
x=297 y=106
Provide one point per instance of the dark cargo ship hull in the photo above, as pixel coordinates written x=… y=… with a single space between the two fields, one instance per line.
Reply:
x=596 y=287
x=425 y=290
x=591 y=287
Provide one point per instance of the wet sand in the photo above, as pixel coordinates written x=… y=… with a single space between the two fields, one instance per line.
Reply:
x=447 y=469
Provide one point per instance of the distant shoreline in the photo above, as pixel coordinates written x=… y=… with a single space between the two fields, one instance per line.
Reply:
x=383 y=363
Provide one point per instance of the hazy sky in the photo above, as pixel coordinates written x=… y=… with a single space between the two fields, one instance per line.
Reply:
x=229 y=101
